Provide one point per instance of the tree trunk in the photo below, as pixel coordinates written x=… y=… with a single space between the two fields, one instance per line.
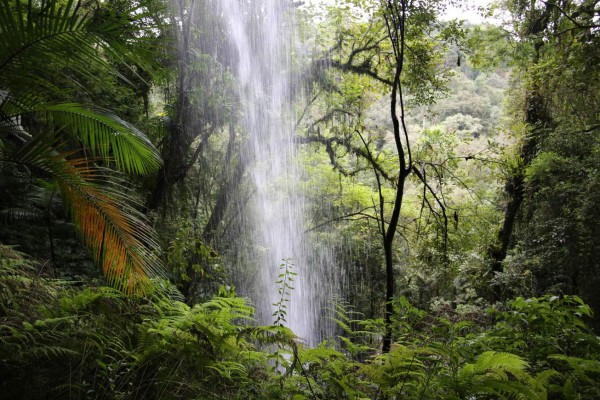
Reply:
x=538 y=120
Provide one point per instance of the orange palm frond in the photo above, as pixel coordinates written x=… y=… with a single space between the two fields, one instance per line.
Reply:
x=120 y=238
x=118 y=235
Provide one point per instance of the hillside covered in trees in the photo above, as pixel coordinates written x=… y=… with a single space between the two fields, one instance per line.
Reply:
x=271 y=199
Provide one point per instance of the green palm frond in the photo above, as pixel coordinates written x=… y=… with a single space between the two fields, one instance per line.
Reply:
x=109 y=137
x=59 y=33
x=105 y=135
x=31 y=34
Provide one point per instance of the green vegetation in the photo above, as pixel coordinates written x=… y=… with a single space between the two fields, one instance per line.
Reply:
x=59 y=340
x=451 y=170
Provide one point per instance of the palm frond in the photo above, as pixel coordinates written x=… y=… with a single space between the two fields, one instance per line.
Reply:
x=48 y=32
x=61 y=34
x=119 y=236
x=20 y=214
x=108 y=136
x=44 y=38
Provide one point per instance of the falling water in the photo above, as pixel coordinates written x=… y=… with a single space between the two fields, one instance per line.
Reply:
x=260 y=48
x=262 y=34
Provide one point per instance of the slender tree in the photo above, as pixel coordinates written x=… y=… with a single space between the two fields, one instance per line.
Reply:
x=379 y=51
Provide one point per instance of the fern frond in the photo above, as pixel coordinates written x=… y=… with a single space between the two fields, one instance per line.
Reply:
x=321 y=355
x=231 y=370
x=268 y=335
x=502 y=374
x=9 y=253
x=47 y=352
x=585 y=370
x=498 y=361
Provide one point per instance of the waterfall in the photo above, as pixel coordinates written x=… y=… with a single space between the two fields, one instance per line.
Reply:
x=257 y=38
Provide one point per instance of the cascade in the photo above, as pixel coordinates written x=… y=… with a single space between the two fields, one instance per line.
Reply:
x=258 y=40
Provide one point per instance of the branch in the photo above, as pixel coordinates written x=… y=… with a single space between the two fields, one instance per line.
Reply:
x=329 y=142
x=563 y=12
x=362 y=69
x=347 y=217
x=588 y=130
x=309 y=103
x=572 y=29
x=327 y=117
x=439 y=202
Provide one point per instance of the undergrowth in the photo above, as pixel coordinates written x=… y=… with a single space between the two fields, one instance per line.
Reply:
x=61 y=341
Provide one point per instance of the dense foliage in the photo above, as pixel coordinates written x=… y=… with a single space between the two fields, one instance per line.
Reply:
x=62 y=341
x=451 y=171
x=554 y=231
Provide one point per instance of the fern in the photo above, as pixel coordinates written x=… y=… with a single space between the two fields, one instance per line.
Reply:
x=501 y=374
x=577 y=376
x=212 y=345
x=326 y=372
x=230 y=370
x=400 y=373
x=20 y=288
x=360 y=336
x=268 y=335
